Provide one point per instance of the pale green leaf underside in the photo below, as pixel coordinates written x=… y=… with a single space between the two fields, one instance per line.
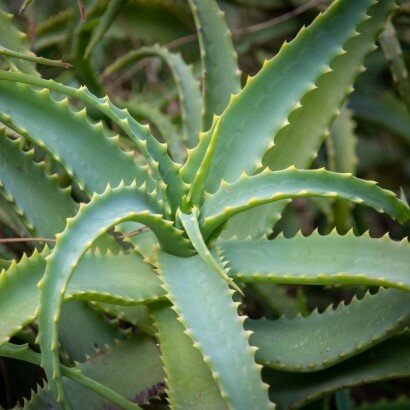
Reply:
x=306 y=344
x=390 y=359
x=320 y=260
x=189 y=380
x=249 y=192
x=200 y=296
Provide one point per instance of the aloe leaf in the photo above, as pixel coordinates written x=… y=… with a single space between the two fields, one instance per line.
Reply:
x=249 y=192
x=386 y=361
x=113 y=9
x=21 y=352
x=83 y=148
x=131 y=369
x=201 y=296
x=149 y=112
x=123 y=279
x=93 y=330
x=220 y=73
x=341 y=150
x=19 y=171
x=309 y=122
x=385 y=111
x=165 y=171
x=306 y=344
x=104 y=211
x=187 y=86
x=320 y=260
x=183 y=363
x=137 y=315
x=298 y=143
x=191 y=226
x=394 y=55
x=268 y=100
x=13 y=39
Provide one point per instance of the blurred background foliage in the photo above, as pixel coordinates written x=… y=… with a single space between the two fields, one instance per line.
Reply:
x=370 y=137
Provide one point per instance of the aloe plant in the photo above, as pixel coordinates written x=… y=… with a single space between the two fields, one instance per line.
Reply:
x=172 y=247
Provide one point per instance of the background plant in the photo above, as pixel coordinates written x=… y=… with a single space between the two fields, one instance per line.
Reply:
x=211 y=176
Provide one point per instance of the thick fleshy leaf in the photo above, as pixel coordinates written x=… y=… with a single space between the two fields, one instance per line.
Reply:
x=391 y=359
x=268 y=186
x=318 y=341
x=320 y=260
x=200 y=296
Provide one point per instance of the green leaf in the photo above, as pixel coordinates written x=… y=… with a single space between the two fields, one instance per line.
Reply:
x=274 y=93
x=390 y=359
x=385 y=111
x=341 y=151
x=298 y=142
x=46 y=215
x=138 y=315
x=103 y=212
x=187 y=86
x=249 y=192
x=13 y=39
x=113 y=9
x=191 y=226
x=320 y=260
x=151 y=113
x=306 y=344
x=189 y=380
x=220 y=73
x=83 y=148
x=123 y=279
x=393 y=52
x=131 y=369
x=200 y=296
x=165 y=171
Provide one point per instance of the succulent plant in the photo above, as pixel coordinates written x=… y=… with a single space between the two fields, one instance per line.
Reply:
x=210 y=198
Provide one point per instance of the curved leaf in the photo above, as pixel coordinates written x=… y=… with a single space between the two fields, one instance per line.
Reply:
x=104 y=211
x=321 y=260
x=165 y=171
x=201 y=296
x=390 y=359
x=187 y=86
x=104 y=23
x=123 y=279
x=84 y=149
x=306 y=344
x=268 y=186
x=220 y=73
x=268 y=98
x=298 y=142
x=18 y=171
x=21 y=352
